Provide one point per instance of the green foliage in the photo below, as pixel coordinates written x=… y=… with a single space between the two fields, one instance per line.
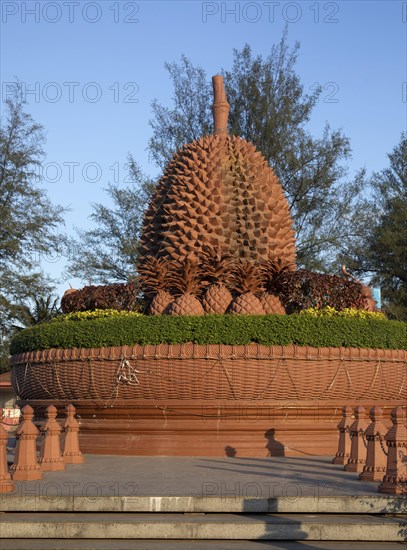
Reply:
x=382 y=254
x=28 y=222
x=43 y=309
x=4 y=355
x=387 y=245
x=191 y=116
x=27 y=216
x=214 y=329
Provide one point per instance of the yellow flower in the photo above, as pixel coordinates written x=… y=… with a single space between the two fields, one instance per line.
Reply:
x=350 y=313
x=96 y=314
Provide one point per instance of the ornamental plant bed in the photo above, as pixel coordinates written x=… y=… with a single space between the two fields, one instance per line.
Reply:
x=128 y=329
x=128 y=356
x=201 y=386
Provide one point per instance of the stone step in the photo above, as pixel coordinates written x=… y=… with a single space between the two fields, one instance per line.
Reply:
x=196 y=526
x=50 y=499
x=115 y=544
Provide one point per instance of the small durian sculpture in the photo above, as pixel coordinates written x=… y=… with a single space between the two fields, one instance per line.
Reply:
x=156 y=281
x=188 y=282
x=218 y=272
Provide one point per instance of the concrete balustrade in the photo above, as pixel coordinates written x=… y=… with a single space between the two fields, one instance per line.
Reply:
x=26 y=466
x=368 y=444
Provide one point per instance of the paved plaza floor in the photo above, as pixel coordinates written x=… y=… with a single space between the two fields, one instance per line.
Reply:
x=183 y=495
x=289 y=477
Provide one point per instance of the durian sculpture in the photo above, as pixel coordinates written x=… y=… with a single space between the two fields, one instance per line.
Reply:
x=219 y=196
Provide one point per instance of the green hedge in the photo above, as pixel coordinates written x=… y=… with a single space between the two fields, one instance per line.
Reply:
x=214 y=329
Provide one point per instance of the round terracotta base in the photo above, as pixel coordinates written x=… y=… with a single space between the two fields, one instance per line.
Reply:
x=193 y=428
x=210 y=400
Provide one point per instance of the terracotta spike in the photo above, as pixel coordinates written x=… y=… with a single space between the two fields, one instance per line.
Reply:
x=71 y=453
x=6 y=485
x=26 y=467
x=50 y=457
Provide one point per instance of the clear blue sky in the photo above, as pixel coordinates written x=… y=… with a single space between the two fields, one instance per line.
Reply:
x=88 y=61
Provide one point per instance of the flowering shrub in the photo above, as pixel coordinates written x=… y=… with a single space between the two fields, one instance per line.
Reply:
x=120 y=296
x=304 y=289
x=348 y=312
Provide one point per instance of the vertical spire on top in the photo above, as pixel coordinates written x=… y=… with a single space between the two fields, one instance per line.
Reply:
x=220 y=106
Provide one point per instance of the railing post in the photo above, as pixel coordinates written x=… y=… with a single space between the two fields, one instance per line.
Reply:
x=375 y=466
x=71 y=453
x=50 y=457
x=343 y=452
x=357 y=457
x=395 y=479
x=25 y=466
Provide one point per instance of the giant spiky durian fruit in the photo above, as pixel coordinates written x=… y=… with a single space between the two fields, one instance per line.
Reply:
x=218 y=192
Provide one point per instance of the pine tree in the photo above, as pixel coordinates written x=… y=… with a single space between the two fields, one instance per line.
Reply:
x=29 y=222
x=383 y=254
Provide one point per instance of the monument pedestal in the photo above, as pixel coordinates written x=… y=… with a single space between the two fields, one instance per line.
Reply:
x=192 y=428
